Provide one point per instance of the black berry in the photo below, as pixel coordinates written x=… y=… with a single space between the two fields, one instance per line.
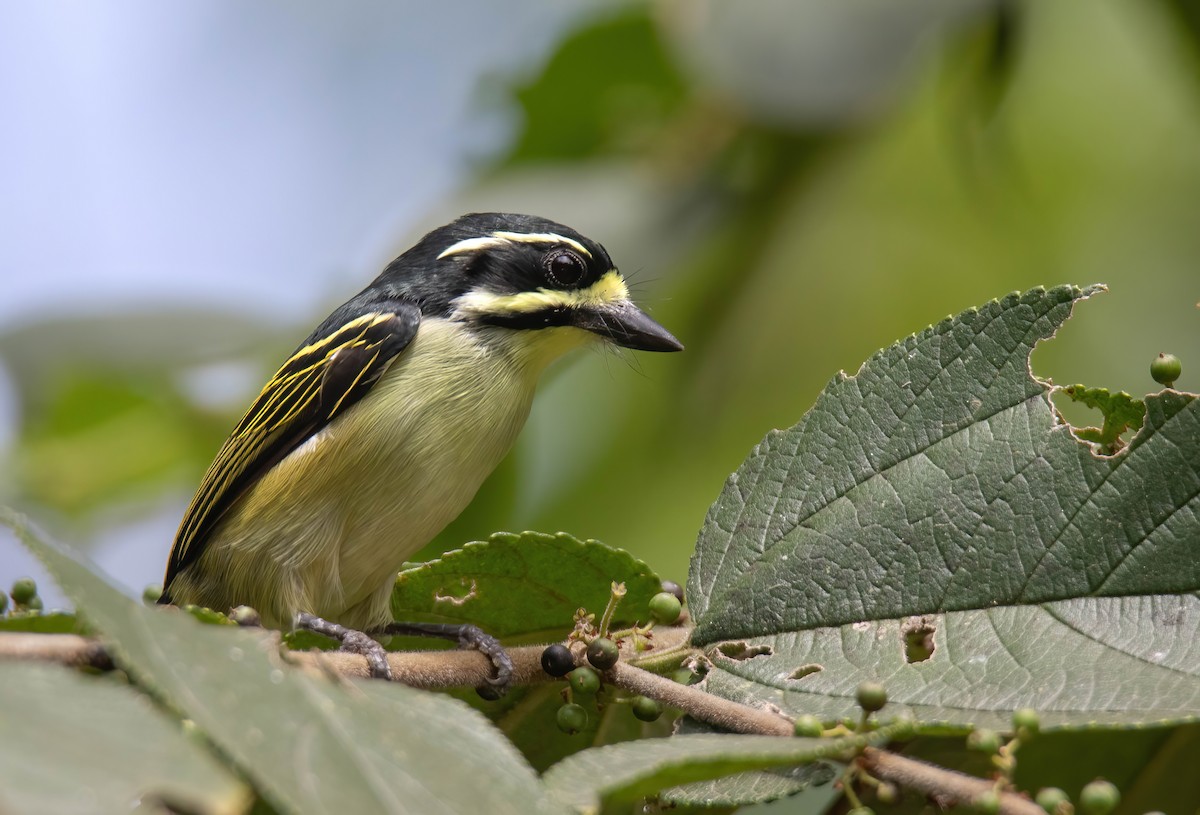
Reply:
x=557 y=660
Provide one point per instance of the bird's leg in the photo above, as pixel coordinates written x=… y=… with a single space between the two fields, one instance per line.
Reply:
x=467 y=636
x=355 y=642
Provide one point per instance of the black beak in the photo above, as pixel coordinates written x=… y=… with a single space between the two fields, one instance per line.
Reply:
x=626 y=325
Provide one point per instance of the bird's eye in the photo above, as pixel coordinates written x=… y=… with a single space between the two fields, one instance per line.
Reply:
x=564 y=267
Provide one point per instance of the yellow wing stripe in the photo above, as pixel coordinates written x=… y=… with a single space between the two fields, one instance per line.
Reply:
x=361 y=373
x=288 y=395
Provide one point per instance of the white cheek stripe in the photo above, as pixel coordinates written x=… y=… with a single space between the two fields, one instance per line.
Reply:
x=501 y=238
x=606 y=291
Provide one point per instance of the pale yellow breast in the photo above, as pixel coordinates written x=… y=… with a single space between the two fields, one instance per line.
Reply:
x=331 y=524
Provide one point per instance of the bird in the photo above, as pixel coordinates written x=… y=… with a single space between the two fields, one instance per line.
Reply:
x=378 y=430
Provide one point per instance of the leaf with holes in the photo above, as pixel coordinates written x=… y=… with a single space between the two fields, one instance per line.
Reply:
x=517 y=584
x=932 y=524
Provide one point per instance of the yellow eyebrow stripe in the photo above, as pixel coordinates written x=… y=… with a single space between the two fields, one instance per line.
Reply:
x=501 y=237
x=609 y=289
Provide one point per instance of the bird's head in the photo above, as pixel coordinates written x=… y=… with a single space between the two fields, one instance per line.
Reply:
x=523 y=273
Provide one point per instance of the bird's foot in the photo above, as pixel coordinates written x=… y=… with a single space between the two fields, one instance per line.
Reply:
x=467 y=636
x=353 y=641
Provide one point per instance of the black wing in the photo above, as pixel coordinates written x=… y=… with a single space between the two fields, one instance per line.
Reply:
x=319 y=381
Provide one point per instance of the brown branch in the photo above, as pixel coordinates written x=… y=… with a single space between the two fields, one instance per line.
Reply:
x=66 y=649
x=421 y=669
x=431 y=670
x=946 y=786
x=446 y=669
x=699 y=704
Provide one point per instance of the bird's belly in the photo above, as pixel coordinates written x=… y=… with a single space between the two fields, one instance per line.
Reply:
x=441 y=452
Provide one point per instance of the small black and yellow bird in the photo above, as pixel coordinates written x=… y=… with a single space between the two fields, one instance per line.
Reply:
x=377 y=432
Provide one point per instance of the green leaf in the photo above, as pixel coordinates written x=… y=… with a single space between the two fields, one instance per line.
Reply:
x=55 y=622
x=71 y=743
x=622 y=773
x=103 y=435
x=573 y=111
x=307 y=743
x=936 y=491
x=812 y=781
x=1120 y=410
x=520 y=583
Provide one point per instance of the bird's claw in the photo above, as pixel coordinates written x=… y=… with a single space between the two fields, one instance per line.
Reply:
x=352 y=640
x=467 y=636
x=356 y=642
x=471 y=636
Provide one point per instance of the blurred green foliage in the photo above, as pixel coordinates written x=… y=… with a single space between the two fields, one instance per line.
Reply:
x=77 y=455
x=788 y=190
x=609 y=88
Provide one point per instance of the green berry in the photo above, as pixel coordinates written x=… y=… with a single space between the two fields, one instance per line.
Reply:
x=603 y=653
x=557 y=660
x=984 y=741
x=871 y=696
x=887 y=793
x=988 y=803
x=23 y=590
x=1026 y=723
x=671 y=587
x=34 y=604
x=1166 y=368
x=646 y=709
x=809 y=726
x=245 y=615
x=571 y=718
x=1051 y=798
x=1100 y=797
x=3 y=603
x=665 y=608
x=151 y=593
x=584 y=680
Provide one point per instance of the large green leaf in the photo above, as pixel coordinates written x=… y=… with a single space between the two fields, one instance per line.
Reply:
x=810 y=782
x=520 y=583
x=71 y=743
x=626 y=772
x=309 y=744
x=937 y=491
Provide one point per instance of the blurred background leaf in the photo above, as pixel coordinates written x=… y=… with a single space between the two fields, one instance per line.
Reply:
x=790 y=187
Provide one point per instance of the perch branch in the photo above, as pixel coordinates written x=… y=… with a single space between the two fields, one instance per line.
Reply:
x=947 y=787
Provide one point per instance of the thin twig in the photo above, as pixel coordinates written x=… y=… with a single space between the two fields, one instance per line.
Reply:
x=699 y=704
x=67 y=649
x=946 y=786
